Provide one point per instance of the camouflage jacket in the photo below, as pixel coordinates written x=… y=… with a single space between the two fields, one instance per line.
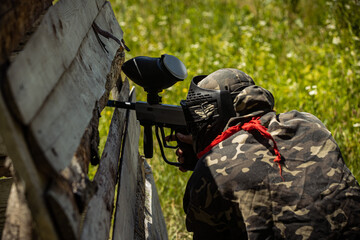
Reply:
x=236 y=190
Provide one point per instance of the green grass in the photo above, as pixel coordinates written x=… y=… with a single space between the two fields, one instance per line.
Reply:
x=305 y=52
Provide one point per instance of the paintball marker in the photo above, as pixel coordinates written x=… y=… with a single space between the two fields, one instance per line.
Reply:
x=154 y=75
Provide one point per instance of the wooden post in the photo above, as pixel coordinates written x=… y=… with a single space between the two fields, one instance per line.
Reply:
x=52 y=92
x=5 y=186
x=154 y=219
x=43 y=126
x=125 y=207
x=18 y=223
x=99 y=212
x=18 y=150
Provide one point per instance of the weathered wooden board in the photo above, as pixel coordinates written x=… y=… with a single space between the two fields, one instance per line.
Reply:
x=49 y=53
x=19 y=224
x=54 y=85
x=155 y=227
x=139 y=228
x=6 y=167
x=2 y=147
x=17 y=18
x=61 y=203
x=4 y=170
x=125 y=207
x=17 y=148
x=100 y=208
x=59 y=125
x=5 y=186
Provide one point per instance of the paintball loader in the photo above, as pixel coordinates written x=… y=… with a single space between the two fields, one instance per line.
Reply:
x=154 y=75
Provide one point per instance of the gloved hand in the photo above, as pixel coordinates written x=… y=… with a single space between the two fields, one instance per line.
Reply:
x=185 y=153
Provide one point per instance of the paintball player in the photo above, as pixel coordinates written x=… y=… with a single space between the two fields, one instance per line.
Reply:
x=260 y=174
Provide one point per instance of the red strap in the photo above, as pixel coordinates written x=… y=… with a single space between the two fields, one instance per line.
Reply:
x=253 y=124
x=224 y=135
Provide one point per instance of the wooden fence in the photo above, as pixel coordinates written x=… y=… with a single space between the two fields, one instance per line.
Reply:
x=58 y=65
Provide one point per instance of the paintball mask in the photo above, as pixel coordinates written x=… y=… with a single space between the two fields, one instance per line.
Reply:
x=209 y=104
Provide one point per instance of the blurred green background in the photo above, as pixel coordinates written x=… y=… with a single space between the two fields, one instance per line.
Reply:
x=305 y=52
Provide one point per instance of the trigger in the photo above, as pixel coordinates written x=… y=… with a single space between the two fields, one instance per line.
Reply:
x=172 y=133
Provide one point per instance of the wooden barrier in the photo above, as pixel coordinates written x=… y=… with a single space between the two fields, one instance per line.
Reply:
x=58 y=65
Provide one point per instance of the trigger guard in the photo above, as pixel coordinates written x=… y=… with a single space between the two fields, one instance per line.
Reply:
x=177 y=164
x=163 y=137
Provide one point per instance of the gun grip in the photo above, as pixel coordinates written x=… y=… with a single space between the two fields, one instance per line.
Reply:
x=148 y=141
x=189 y=155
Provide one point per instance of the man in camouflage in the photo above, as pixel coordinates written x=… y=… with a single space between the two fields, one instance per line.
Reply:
x=267 y=175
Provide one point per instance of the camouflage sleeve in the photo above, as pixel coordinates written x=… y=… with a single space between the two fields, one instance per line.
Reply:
x=209 y=215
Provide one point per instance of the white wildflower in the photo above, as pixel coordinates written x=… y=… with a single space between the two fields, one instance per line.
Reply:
x=331 y=26
x=313 y=92
x=336 y=40
x=241 y=65
x=160 y=46
x=299 y=23
x=262 y=23
x=195 y=46
x=134 y=38
x=139 y=19
x=151 y=47
x=207 y=14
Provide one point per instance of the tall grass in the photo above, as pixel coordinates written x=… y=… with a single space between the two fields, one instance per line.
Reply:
x=305 y=52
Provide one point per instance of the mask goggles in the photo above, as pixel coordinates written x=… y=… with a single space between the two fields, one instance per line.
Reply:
x=206 y=112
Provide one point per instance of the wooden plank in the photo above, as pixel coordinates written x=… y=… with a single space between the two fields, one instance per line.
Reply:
x=57 y=128
x=63 y=207
x=125 y=207
x=2 y=147
x=99 y=212
x=19 y=223
x=5 y=186
x=18 y=150
x=48 y=54
x=139 y=228
x=6 y=167
x=4 y=170
x=17 y=18
x=155 y=227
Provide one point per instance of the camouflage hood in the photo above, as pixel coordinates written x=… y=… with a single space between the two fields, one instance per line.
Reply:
x=249 y=100
x=253 y=101
x=243 y=100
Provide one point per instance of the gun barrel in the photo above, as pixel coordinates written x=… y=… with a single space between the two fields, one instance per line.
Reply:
x=117 y=104
x=168 y=115
x=164 y=114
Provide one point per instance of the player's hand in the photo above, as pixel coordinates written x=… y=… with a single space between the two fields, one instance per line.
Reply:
x=185 y=153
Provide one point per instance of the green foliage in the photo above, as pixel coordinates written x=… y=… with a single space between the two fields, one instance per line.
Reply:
x=305 y=52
